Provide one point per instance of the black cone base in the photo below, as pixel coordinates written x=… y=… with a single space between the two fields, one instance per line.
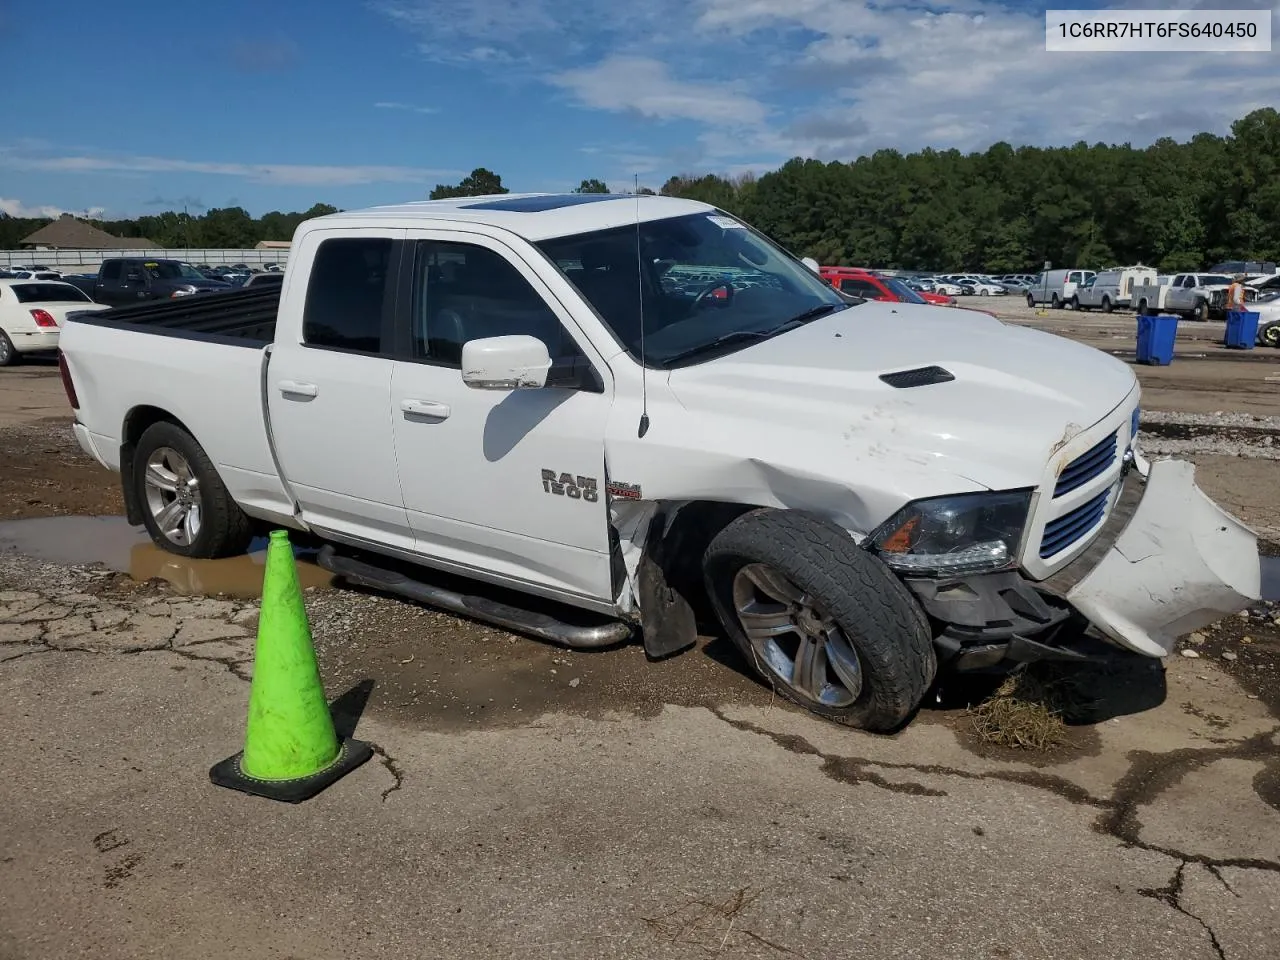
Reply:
x=227 y=773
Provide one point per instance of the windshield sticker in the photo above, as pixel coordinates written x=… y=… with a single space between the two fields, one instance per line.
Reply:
x=724 y=223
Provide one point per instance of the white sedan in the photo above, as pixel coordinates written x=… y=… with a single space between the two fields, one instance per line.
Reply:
x=944 y=287
x=32 y=313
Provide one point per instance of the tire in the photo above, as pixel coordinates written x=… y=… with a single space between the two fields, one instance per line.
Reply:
x=1142 y=307
x=1031 y=301
x=219 y=529
x=1056 y=303
x=1201 y=311
x=873 y=638
x=9 y=355
x=1269 y=334
x=982 y=293
x=1106 y=305
x=1075 y=303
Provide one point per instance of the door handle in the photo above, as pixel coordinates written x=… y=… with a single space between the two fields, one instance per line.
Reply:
x=292 y=388
x=425 y=408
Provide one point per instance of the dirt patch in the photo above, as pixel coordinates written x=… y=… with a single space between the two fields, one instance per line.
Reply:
x=454 y=673
x=46 y=474
x=1247 y=646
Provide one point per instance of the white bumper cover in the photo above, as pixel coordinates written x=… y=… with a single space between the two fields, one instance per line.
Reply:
x=1181 y=563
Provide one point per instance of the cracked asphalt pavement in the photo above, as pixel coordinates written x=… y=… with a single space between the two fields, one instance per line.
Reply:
x=734 y=826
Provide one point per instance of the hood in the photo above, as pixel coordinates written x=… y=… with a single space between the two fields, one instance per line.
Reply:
x=1017 y=395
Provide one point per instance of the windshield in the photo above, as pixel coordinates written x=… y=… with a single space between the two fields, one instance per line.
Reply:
x=49 y=293
x=170 y=270
x=900 y=290
x=704 y=277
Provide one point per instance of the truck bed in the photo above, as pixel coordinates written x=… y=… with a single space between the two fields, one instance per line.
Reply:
x=199 y=360
x=240 y=315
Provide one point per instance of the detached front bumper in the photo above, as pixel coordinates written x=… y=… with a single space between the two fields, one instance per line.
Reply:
x=1179 y=564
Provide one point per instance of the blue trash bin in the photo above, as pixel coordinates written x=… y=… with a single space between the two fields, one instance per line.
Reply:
x=1156 y=336
x=1242 y=329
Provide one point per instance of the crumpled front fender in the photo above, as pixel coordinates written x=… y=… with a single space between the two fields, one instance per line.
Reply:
x=1181 y=564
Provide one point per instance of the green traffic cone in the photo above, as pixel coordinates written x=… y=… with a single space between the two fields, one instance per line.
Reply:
x=291 y=749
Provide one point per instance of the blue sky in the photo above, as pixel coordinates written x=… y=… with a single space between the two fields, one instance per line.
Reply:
x=280 y=105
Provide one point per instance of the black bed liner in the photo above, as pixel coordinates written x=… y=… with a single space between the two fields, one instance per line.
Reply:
x=246 y=317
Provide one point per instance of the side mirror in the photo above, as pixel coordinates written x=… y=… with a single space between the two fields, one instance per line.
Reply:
x=812 y=264
x=515 y=362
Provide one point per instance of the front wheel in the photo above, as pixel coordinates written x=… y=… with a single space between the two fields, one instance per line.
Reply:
x=1031 y=301
x=1201 y=311
x=1269 y=336
x=824 y=622
x=1075 y=303
x=1056 y=303
x=185 y=506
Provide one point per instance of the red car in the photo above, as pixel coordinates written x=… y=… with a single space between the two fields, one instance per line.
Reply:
x=861 y=283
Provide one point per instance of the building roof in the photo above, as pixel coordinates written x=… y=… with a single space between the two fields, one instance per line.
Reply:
x=68 y=233
x=534 y=216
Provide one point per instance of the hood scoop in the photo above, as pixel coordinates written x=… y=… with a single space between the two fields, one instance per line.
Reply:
x=918 y=377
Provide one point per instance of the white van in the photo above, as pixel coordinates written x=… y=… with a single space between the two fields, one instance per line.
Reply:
x=1057 y=287
x=1111 y=288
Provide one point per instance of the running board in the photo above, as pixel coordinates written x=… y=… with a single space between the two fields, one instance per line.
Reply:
x=540 y=625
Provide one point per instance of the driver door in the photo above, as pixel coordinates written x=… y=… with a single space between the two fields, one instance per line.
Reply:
x=503 y=485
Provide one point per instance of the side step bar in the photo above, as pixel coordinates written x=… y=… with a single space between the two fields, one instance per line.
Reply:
x=516 y=619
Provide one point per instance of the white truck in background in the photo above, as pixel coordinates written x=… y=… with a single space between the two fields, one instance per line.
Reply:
x=1187 y=294
x=640 y=415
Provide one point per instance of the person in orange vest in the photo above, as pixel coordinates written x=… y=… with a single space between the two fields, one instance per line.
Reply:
x=1235 y=294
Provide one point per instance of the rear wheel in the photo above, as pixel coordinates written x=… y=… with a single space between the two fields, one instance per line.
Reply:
x=824 y=622
x=1269 y=336
x=9 y=356
x=1142 y=307
x=185 y=506
x=1106 y=304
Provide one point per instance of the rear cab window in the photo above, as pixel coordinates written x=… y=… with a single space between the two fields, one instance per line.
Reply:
x=347 y=296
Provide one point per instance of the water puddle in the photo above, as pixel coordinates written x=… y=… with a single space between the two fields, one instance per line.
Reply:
x=111 y=542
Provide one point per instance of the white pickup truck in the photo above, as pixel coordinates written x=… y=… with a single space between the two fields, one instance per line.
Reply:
x=1188 y=294
x=629 y=412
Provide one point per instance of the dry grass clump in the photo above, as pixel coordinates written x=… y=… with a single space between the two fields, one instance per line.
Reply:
x=1025 y=712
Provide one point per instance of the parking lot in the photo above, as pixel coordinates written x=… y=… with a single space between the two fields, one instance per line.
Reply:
x=528 y=801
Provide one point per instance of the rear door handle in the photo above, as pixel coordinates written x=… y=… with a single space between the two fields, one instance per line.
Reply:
x=425 y=408
x=293 y=388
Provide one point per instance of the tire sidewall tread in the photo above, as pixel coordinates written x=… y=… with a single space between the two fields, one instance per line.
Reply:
x=225 y=529
x=873 y=607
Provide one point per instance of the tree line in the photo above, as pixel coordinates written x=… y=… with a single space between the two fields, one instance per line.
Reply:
x=1175 y=206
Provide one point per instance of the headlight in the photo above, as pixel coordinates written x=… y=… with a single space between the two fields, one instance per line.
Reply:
x=964 y=534
x=182 y=293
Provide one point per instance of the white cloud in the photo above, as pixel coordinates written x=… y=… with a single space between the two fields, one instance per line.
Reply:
x=412 y=108
x=644 y=85
x=16 y=208
x=284 y=174
x=834 y=79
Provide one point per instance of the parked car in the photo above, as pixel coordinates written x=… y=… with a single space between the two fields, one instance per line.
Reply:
x=944 y=287
x=1057 y=287
x=127 y=280
x=1111 y=288
x=37 y=275
x=32 y=313
x=977 y=286
x=870 y=286
x=632 y=406
x=263 y=280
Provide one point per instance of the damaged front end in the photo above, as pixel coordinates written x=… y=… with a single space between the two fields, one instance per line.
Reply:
x=1167 y=561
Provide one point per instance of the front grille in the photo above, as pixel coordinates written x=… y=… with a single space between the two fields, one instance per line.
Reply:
x=1092 y=463
x=1070 y=527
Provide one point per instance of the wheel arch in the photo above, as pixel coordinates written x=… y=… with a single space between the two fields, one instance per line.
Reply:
x=670 y=590
x=136 y=423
